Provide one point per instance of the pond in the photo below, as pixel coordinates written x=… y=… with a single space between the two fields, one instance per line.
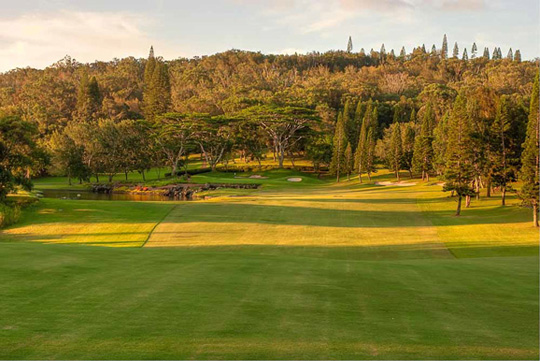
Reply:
x=88 y=195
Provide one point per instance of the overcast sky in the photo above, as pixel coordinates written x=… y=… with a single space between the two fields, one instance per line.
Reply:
x=37 y=33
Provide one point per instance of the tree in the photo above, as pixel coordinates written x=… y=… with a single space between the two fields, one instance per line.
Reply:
x=365 y=151
x=444 y=49
x=17 y=153
x=530 y=158
x=349 y=161
x=500 y=151
x=408 y=146
x=68 y=156
x=349 y=45
x=459 y=168
x=88 y=99
x=396 y=150
x=174 y=133
x=474 y=51
x=157 y=89
x=465 y=56
x=517 y=56
x=214 y=137
x=486 y=53
x=402 y=53
x=283 y=125
x=433 y=50
x=338 y=164
x=423 y=145
x=455 y=53
x=510 y=55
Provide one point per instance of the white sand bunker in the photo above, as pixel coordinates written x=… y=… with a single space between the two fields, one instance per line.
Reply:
x=397 y=184
x=294 y=179
x=256 y=176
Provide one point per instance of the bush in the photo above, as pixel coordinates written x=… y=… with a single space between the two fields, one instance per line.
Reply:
x=9 y=214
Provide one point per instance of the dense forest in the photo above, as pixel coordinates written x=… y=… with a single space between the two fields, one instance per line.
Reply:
x=468 y=117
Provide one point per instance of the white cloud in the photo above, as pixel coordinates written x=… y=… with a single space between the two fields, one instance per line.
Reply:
x=39 y=40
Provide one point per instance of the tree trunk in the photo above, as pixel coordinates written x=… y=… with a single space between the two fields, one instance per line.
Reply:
x=110 y=178
x=410 y=173
x=143 y=176
x=397 y=175
x=488 y=188
x=337 y=176
x=467 y=201
x=69 y=179
x=97 y=178
x=503 y=196
x=360 y=177
x=535 y=214
x=369 y=176
x=458 y=211
x=126 y=173
x=423 y=175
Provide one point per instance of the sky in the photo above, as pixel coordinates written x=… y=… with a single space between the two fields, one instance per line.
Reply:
x=38 y=33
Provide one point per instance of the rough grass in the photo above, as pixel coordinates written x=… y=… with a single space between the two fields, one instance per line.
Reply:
x=309 y=270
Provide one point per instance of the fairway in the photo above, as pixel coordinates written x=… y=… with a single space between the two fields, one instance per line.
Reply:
x=314 y=270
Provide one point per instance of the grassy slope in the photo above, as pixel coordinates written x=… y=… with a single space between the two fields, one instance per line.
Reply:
x=311 y=270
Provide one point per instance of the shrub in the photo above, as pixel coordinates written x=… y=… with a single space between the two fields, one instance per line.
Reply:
x=9 y=214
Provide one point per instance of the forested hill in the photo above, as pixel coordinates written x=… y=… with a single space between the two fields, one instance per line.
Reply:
x=227 y=82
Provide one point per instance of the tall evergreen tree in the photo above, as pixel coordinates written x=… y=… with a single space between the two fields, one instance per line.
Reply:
x=459 y=168
x=455 y=53
x=510 y=55
x=444 y=49
x=349 y=161
x=157 y=89
x=474 y=51
x=408 y=146
x=500 y=151
x=349 y=45
x=88 y=99
x=365 y=151
x=338 y=165
x=433 y=50
x=424 y=48
x=517 y=56
x=402 y=53
x=465 y=56
x=423 y=145
x=486 y=53
x=396 y=149
x=530 y=157
x=362 y=52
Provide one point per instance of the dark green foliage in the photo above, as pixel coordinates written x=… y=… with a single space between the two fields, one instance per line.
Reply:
x=17 y=154
x=444 y=48
x=455 y=52
x=517 y=56
x=530 y=156
x=459 y=172
x=349 y=45
x=423 y=146
x=474 y=51
x=396 y=150
x=157 y=89
x=88 y=99
x=465 y=55
x=338 y=165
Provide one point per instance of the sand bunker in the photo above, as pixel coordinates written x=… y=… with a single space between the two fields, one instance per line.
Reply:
x=397 y=184
x=294 y=179
x=254 y=176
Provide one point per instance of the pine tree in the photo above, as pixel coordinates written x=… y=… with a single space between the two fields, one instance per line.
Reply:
x=486 y=53
x=495 y=54
x=455 y=53
x=424 y=48
x=365 y=151
x=433 y=50
x=510 y=55
x=356 y=124
x=338 y=166
x=459 y=168
x=402 y=53
x=408 y=146
x=349 y=161
x=423 y=145
x=474 y=51
x=157 y=89
x=465 y=56
x=530 y=157
x=88 y=99
x=444 y=49
x=349 y=45
x=396 y=150
x=362 y=52
x=383 y=50
x=517 y=56
x=500 y=151
x=349 y=120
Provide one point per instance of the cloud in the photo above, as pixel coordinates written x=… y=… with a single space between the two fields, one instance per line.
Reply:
x=40 y=39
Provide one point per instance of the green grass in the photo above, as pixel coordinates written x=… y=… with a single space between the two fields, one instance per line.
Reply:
x=309 y=270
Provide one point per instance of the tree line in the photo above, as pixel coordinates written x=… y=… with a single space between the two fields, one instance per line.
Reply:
x=467 y=120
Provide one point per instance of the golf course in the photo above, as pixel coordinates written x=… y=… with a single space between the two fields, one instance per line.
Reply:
x=311 y=269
